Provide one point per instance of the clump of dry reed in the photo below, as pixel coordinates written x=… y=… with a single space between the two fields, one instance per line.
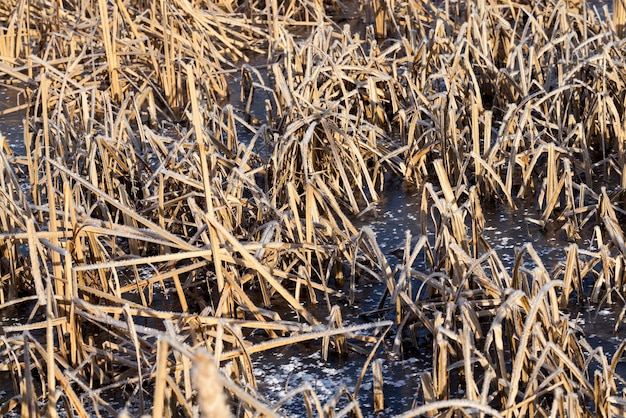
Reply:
x=525 y=97
x=157 y=233
x=331 y=121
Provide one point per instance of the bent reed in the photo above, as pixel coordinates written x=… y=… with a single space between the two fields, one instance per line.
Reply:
x=192 y=170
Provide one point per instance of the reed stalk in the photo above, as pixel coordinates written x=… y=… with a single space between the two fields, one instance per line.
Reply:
x=619 y=17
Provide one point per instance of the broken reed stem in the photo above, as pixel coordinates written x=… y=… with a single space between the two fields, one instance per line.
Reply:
x=108 y=37
x=50 y=360
x=379 y=397
x=205 y=149
x=160 y=379
x=619 y=17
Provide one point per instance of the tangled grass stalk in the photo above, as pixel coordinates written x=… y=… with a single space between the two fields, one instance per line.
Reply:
x=158 y=232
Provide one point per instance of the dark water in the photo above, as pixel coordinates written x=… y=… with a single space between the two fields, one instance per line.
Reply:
x=12 y=124
x=600 y=6
x=282 y=371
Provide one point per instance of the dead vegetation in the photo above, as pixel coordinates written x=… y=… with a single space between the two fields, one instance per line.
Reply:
x=192 y=170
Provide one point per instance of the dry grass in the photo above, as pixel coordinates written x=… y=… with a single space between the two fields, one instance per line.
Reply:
x=165 y=224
